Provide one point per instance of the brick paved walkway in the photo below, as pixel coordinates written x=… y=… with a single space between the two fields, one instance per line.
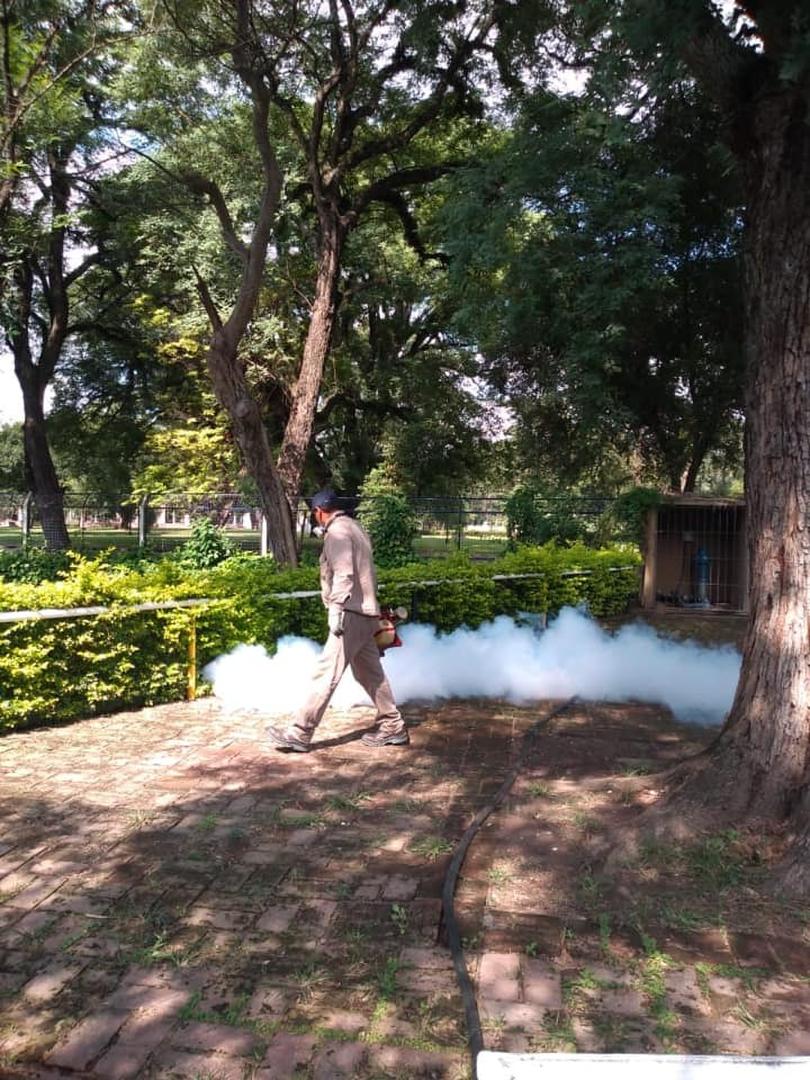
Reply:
x=177 y=900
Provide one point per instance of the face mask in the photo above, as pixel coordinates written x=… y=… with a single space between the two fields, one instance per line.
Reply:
x=317 y=530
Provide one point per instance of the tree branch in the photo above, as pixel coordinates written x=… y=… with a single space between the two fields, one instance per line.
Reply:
x=378 y=408
x=322 y=95
x=287 y=107
x=207 y=300
x=273 y=181
x=201 y=185
x=18 y=334
x=717 y=60
x=82 y=268
x=23 y=108
x=417 y=175
x=39 y=60
x=429 y=108
x=345 y=118
x=58 y=303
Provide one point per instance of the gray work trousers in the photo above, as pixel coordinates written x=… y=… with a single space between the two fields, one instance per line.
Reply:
x=356 y=649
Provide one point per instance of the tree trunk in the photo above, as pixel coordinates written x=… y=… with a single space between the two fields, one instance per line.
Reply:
x=6 y=191
x=33 y=379
x=792 y=876
x=759 y=767
x=224 y=366
x=298 y=432
x=703 y=430
x=690 y=476
x=233 y=394
x=675 y=481
x=770 y=718
x=40 y=467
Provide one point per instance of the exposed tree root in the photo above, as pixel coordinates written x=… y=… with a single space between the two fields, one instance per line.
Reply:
x=697 y=798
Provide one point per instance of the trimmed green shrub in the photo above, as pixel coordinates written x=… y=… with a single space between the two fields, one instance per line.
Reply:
x=206 y=547
x=468 y=594
x=387 y=517
x=69 y=668
x=33 y=564
x=535 y=516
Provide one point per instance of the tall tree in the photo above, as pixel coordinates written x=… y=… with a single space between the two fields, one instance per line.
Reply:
x=225 y=365
x=597 y=265
x=54 y=56
x=357 y=87
x=395 y=371
x=756 y=68
x=400 y=384
x=127 y=372
x=380 y=77
x=36 y=68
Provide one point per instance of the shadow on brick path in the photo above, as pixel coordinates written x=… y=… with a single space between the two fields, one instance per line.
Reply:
x=177 y=899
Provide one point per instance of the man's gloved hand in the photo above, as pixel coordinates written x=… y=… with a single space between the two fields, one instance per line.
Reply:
x=336 y=621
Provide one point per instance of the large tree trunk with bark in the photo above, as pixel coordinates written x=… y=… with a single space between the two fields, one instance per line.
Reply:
x=42 y=472
x=299 y=428
x=33 y=379
x=759 y=767
x=247 y=424
x=224 y=364
x=697 y=457
x=771 y=712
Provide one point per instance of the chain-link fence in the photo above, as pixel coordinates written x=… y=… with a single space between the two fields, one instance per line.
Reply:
x=475 y=524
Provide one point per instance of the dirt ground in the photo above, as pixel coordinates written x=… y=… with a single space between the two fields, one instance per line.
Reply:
x=178 y=900
x=705 y=628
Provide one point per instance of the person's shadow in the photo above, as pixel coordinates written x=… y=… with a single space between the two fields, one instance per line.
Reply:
x=351 y=736
x=340 y=740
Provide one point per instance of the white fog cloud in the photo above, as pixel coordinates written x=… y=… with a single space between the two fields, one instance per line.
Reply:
x=502 y=660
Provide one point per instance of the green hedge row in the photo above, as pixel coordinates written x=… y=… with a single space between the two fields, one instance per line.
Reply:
x=68 y=668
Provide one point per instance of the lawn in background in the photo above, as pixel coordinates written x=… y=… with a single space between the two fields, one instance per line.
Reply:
x=91 y=541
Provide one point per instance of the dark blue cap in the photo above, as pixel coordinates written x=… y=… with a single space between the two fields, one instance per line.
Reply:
x=324 y=500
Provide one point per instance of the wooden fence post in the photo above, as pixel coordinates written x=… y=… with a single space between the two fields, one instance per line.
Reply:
x=650 y=572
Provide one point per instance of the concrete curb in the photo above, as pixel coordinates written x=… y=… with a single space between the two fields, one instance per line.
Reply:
x=492 y=1065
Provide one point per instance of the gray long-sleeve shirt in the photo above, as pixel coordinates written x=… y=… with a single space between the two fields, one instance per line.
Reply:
x=348 y=579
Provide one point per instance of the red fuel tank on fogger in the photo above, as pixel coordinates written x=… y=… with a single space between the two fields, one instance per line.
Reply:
x=386 y=636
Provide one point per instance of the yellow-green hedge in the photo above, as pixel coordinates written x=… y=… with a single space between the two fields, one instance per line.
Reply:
x=68 y=668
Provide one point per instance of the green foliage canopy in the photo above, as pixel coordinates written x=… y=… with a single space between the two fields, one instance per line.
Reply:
x=597 y=264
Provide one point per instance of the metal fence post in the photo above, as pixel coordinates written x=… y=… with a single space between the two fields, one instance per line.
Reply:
x=143 y=523
x=304 y=516
x=264 y=536
x=26 y=513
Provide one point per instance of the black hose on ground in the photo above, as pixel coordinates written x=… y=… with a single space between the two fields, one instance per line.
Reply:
x=450 y=926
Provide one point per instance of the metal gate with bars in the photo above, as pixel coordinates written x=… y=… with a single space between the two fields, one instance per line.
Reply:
x=696 y=555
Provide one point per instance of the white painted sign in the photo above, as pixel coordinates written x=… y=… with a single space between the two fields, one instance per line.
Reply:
x=495 y=1066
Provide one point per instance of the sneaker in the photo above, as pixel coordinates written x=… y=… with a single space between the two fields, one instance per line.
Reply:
x=379 y=738
x=286 y=741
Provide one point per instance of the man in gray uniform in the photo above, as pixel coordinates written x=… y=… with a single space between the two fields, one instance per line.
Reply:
x=349 y=593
